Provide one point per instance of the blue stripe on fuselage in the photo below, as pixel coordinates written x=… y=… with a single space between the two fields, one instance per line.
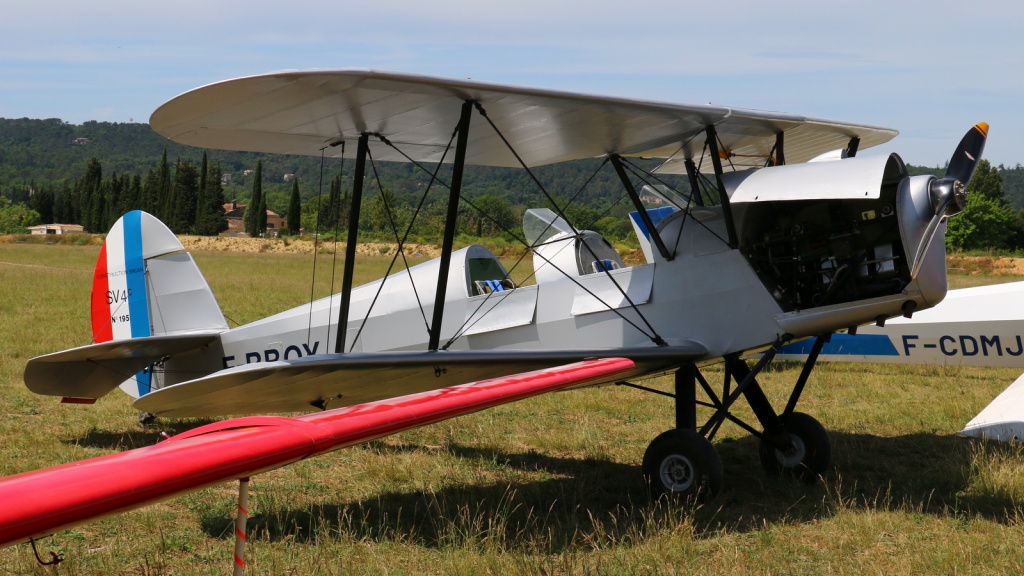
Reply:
x=846 y=345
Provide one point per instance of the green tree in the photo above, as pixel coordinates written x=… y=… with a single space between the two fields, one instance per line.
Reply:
x=987 y=182
x=210 y=219
x=88 y=201
x=261 y=217
x=184 y=192
x=43 y=202
x=329 y=218
x=62 y=209
x=251 y=218
x=985 y=223
x=493 y=216
x=15 y=218
x=157 y=188
x=295 y=209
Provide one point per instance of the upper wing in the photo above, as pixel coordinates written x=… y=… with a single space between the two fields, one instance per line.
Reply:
x=44 y=501
x=331 y=380
x=304 y=112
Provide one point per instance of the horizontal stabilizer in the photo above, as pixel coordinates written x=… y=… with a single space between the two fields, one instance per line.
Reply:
x=332 y=380
x=92 y=371
x=42 y=502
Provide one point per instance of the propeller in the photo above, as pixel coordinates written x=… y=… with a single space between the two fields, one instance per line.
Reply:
x=948 y=195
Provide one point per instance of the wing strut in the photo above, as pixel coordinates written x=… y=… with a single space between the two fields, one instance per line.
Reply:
x=851 y=148
x=691 y=173
x=449 y=225
x=350 y=247
x=641 y=211
x=780 y=149
x=716 y=161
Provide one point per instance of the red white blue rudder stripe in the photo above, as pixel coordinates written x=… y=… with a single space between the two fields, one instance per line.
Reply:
x=120 y=298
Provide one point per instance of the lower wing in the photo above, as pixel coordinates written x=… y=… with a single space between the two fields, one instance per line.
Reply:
x=334 y=380
x=42 y=502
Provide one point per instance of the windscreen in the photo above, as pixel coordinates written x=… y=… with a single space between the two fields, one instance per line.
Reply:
x=542 y=224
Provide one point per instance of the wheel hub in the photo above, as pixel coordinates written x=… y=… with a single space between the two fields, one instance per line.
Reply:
x=676 y=473
x=793 y=455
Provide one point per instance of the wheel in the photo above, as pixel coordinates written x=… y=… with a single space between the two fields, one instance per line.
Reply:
x=809 y=455
x=682 y=464
x=146 y=419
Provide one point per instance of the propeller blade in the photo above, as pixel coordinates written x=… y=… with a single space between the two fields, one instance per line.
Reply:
x=948 y=195
x=968 y=153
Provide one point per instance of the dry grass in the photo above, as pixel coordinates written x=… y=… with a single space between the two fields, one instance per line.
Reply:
x=549 y=486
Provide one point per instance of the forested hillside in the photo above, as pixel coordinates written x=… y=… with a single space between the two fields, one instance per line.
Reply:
x=89 y=173
x=52 y=158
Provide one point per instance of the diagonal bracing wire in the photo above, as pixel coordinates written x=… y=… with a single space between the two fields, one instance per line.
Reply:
x=656 y=338
x=401 y=242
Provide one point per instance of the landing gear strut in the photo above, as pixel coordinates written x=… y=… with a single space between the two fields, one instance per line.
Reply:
x=682 y=462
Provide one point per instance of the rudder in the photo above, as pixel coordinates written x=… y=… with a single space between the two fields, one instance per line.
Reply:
x=145 y=284
x=149 y=302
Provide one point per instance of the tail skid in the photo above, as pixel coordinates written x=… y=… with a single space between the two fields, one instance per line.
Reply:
x=149 y=301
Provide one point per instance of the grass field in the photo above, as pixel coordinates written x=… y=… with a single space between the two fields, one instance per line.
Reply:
x=546 y=486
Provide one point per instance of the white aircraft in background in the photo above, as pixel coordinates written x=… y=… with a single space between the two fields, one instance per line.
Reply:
x=781 y=233
x=980 y=326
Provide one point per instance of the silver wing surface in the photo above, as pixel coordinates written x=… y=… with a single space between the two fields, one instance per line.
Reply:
x=335 y=380
x=92 y=371
x=304 y=112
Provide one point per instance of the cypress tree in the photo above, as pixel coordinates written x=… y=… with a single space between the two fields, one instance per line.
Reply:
x=162 y=201
x=295 y=209
x=89 y=192
x=330 y=213
x=186 y=187
x=251 y=217
x=210 y=219
x=42 y=201
x=62 y=205
x=133 y=201
x=261 y=217
x=200 y=193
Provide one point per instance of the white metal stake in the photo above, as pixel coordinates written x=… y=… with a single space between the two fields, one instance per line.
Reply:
x=243 y=511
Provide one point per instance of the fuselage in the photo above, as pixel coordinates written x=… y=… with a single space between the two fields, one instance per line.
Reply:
x=803 y=267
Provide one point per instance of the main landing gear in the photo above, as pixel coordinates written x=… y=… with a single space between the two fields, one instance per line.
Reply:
x=682 y=463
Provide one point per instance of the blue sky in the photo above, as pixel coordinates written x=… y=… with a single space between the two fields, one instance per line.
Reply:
x=929 y=69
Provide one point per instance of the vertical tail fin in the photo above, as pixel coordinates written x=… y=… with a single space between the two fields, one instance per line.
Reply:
x=120 y=307
x=146 y=285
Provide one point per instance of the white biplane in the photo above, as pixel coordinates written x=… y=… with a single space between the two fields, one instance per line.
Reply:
x=782 y=233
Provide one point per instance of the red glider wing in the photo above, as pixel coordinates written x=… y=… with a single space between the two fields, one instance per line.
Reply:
x=45 y=501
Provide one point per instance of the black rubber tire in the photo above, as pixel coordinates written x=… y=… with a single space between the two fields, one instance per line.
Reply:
x=813 y=454
x=146 y=419
x=683 y=465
